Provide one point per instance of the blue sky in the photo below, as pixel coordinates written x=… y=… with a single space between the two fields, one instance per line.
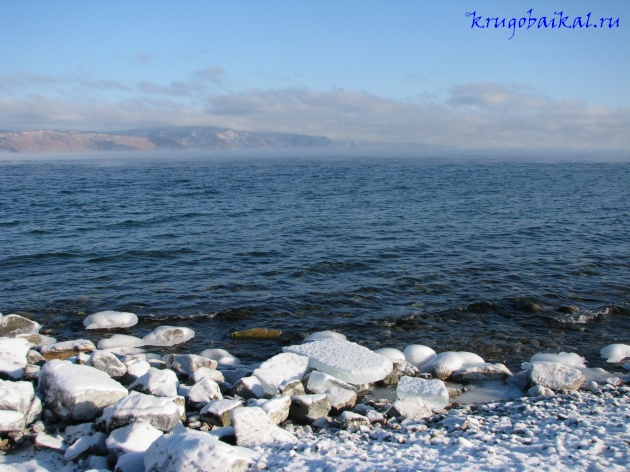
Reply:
x=404 y=71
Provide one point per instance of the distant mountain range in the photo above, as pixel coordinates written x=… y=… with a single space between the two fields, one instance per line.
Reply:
x=150 y=139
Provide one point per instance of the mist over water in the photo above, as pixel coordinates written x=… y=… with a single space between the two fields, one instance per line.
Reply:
x=389 y=251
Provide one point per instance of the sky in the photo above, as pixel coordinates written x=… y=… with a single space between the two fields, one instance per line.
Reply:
x=364 y=71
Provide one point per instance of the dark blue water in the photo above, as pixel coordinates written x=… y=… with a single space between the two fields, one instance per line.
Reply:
x=388 y=251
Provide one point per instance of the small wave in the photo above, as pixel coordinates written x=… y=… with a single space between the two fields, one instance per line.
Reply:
x=165 y=317
x=581 y=317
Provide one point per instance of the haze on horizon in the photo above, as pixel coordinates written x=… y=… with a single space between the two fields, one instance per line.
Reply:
x=409 y=72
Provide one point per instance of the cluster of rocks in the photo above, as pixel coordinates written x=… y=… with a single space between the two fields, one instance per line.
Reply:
x=116 y=408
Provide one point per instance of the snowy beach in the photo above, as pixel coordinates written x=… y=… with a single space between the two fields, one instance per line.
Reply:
x=325 y=404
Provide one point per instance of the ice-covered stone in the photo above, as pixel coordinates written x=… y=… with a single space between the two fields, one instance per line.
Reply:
x=432 y=392
x=481 y=372
x=161 y=383
x=159 y=412
x=570 y=359
x=418 y=354
x=187 y=364
x=345 y=360
x=221 y=356
x=217 y=412
x=110 y=319
x=195 y=452
x=445 y=363
x=411 y=407
x=168 y=336
x=325 y=335
x=319 y=382
x=107 y=362
x=253 y=427
x=120 y=340
x=11 y=421
x=280 y=368
x=16 y=396
x=292 y=388
x=539 y=390
x=203 y=392
x=131 y=462
x=555 y=376
x=340 y=399
x=135 y=437
x=13 y=356
x=391 y=353
x=248 y=387
x=207 y=373
x=77 y=392
x=12 y=325
x=400 y=368
x=35 y=358
x=615 y=352
x=55 y=443
x=66 y=349
x=136 y=369
x=94 y=444
x=37 y=339
x=349 y=419
x=277 y=408
x=308 y=408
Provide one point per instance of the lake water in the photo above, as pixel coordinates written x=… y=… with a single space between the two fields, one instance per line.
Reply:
x=389 y=251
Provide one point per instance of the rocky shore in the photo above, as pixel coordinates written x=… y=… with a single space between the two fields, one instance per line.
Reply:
x=325 y=404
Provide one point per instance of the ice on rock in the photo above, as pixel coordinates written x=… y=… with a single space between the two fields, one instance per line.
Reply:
x=132 y=462
x=94 y=444
x=45 y=441
x=13 y=356
x=159 y=412
x=555 y=376
x=411 y=407
x=443 y=364
x=570 y=359
x=417 y=355
x=340 y=399
x=161 y=383
x=432 y=392
x=107 y=362
x=318 y=382
x=203 y=392
x=279 y=368
x=110 y=319
x=253 y=427
x=168 y=336
x=325 y=335
x=207 y=373
x=391 y=353
x=12 y=325
x=120 y=340
x=66 y=349
x=277 y=408
x=187 y=364
x=136 y=369
x=11 y=421
x=345 y=360
x=195 y=452
x=37 y=339
x=136 y=437
x=77 y=392
x=248 y=387
x=16 y=396
x=221 y=356
x=616 y=352
x=481 y=372
x=218 y=412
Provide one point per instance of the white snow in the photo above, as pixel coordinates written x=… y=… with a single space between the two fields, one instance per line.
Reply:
x=221 y=356
x=570 y=359
x=253 y=427
x=110 y=319
x=279 y=368
x=616 y=352
x=325 y=335
x=417 y=354
x=204 y=391
x=345 y=360
x=16 y=396
x=13 y=352
x=445 y=363
x=136 y=437
x=432 y=392
x=120 y=340
x=206 y=372
x=37 y=339
x=159 y=412
x=168 y=336
x=391 y=353
x=161 y=383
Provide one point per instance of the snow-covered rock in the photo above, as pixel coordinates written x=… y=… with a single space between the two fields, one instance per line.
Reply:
x=277 y=408
x=186 y=364
x=432 y=392
x=11 y=421
x=159 y=412
x=555 y=376
x=55 y=443
x=131 y=462
x=16 y=396
x=110 y=319
x=217 y=412
x=248 y=387
x=445 y=363
x=35 y=358
x=195 y=452
x=418 y=354
x=253 y=427
x=136 y=369
x=345 y=360
x=349 y=419
x=539 y=390
x=615 y=352
x=77 y=392
x=234 y=375
x=135 y=437
x=37 y=339
x=319 y=382
x=340 y=399
x=411 y=407
x=66 y=349
x=325 y=335
x=400 y=368
x=168 y=336
x=87 y=444
x=203 y=392
x=221 y=356
x=279 y=368
x=13 y=356
x=570 y=359
x=292 y=388
x=120 y=340
x=12 y=325
x=161 y=383
x=207 y=373
x=107 y=362
x=308 y=408
x=391 y=353
x=481 y=372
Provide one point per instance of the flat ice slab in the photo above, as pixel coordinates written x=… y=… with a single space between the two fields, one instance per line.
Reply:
x=13 y=352
x=279 y=368
x=345 y=360
x=110 y=319
x=432 y=392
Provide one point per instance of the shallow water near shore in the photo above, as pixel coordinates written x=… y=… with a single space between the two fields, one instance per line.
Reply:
x=449 y=253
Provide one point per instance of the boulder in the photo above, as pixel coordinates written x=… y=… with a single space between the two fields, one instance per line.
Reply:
x=161 y=383
x=280 y=368
x=481 y=372
x=108 y=363
x=13 y=325
x=37 y=339
x=248 y=387
x=308 y=408
x=135 y=370
x=195 y=452
x=412 y=407
x=445 y=363
x=168 y=336
x=418 y=355
x=432 y=392
x=221 y=356
x=135 y=437
x=570 y=359
x=340 y=399
x=55 y=443
x=110 y=319
x=253 y=427
x=207 y=373
x=131 y=462
x=539 y=390
x=13 y=357
x=66 y=349
x=400 y=369
x=203 y=392
x=94 y=444
x=186 y=364
x=218 y=412
x=234 y=375
x=120 y=340
x=159 y=412
x=16 y=396
x=344 y=360
x=11 y=421
x=615 y=352
x=35 y=358
x=277 y=408
x=555 y=376
x=348 y=419
x=291 y=388
x=77 y=392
